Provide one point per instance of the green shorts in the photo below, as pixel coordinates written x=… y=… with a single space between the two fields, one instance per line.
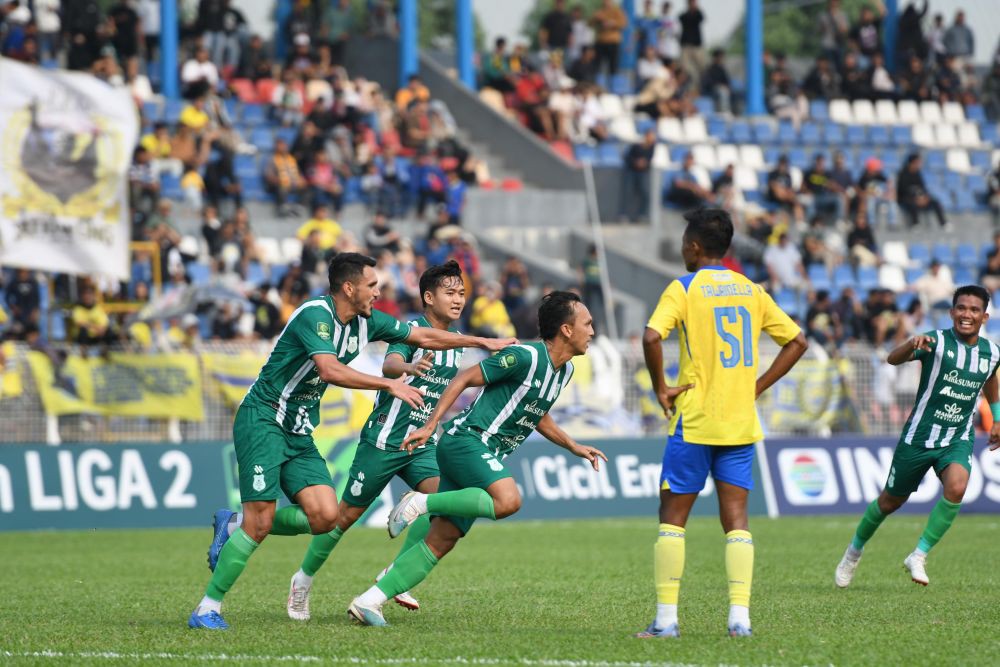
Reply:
x=372 y=469
x=910 y=464
x=465 y=462
x=271 y=460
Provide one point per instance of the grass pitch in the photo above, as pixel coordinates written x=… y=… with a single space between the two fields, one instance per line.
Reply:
x=557 y=593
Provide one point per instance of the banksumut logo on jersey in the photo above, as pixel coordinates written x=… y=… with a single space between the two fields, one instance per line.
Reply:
x=952 y=377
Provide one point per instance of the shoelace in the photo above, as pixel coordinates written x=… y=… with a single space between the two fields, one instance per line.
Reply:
x=299 y=596
x=216 y=618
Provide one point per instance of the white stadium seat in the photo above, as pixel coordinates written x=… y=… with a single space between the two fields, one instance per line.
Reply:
x=796 y=175
x=885 y=112
x=752 y=156
x=892 y=277
x=908 y=112
x=864 y=112
x=726 y=154
x=957 y=159
x=895 y=252
x=269 y=250
x=700 y=174
x=968 y=135
x=930 y=112
x=745 y=178
x=291 y=249
x=840 y=111
x=189 y=246
x=695 y=130
x=612 y=105
x=923 y=135
x=623 y=127
x=661 y=157
x=704 y=156
x=669 y=129
x=953 y=112
x=946 y=135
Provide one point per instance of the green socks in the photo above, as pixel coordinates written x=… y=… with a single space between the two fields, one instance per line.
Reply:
x=232 y=559
x=408 y=570
x=938 y=523
x=870 y=522
x=319 y=550
x=415 y=533
x=471 y=503
x=290 y=520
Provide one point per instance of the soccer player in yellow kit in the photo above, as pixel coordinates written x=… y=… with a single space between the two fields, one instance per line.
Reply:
x=719 y=315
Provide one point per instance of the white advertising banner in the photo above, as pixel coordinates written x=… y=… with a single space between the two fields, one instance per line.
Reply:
x=66 y=142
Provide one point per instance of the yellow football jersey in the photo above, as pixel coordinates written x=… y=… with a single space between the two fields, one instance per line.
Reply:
x=719 y=314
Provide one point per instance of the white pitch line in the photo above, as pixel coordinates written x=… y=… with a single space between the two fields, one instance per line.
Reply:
x=352 y=660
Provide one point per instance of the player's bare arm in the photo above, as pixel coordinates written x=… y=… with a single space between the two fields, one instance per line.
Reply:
x=395 y=365
x=435 y=339
x=652 y=350
x=548 y=427
x=333 y=372
x=907 y=349
x=470 y=377
x=789 y=355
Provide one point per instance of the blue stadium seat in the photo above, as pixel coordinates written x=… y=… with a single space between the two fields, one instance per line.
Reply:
x=993 y=327
x=843 y=277
x=788 y=301
x=170 y=186
x=200 y=274
x=278 y=272
x=990 y=133
x=980 y=160
x=963 y=275
x=50 y=63
x=172 y=110
x=966 y=255
x=352 y=191
x=818 y=277
x=903 y=300
x=891 y=163
x=797 y=157
x=58 y=329
x=205 y=326
x=705 y=106
x=819 y=110
x=943 y=252
x=771 y=156
x=151 y=111
x=677 y=154
x=943 y=321
x=254 y=114
x=764 y=133
x=739 y=132
x=584 y=153
x=718 y=128
x=953 y=180
x=286 y=134
x=245 y=166
x=976 y=184
x=609 y=154
x=263 y=139
x=644 y=124
x=935 y=160
x=920 y=254
x=255 y=273
x=975 y=113
x=232 y=107
x=902 y=135
x=856 y=135
x=867 y=278
x=878 y=135
x=809 y=133
x=834 y=133
x=621 y=84
x=965 y=201
x=787 y=133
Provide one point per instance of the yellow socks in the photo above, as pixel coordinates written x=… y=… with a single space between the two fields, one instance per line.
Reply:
x=739 y=566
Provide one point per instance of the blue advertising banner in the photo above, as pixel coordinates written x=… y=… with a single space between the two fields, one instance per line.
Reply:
x=843 y=475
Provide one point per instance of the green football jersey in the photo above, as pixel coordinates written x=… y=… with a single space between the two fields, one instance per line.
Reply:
x=521 y=386
x=951 y=377
x=392 y=420
x=289 y=383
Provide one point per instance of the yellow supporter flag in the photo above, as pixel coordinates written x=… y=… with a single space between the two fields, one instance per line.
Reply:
x=232 y=374
x=11 y=384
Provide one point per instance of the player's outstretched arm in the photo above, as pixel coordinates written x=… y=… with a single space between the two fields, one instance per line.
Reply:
x=470 y=377
x=790 y=353
x=435 y=339
x=908 y=349
x=548 y=427
x=333 y=372
x=395 y=365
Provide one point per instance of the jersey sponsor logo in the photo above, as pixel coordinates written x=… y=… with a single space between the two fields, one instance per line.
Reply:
x=508 y=361
x=952 y=377
x=950 y=413
x=323 y=330
x=258 y=479
x=307 y=397
x=538 y=383
x=951 y=355
x=352 y=345
x=534 y=409
x=315 y=381
x=382 y=419
x=524 y=421
x=951 y=393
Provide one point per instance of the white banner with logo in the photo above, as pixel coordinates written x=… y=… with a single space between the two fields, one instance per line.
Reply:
x=67 y=141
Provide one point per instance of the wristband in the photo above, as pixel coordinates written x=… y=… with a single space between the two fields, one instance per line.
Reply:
x=995 y=409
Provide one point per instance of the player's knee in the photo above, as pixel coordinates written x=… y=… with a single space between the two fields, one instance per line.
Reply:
x=506 y=505
x=955 y=491
x=257 y=526
x=888 y=504
x=323 y=520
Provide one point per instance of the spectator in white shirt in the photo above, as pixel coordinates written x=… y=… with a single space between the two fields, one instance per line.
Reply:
x=199 y=75
x=49 y=25
x=784 y=265
x=935 y=287
x=669 y=44
x=581 y=35
x=650 y=67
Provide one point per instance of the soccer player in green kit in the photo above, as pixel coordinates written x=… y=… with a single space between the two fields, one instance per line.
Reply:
x=520 y=384
x=272 y=432
x=379 y=457
x=956 y=364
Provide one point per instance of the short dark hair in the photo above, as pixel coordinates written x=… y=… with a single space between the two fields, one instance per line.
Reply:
x=555 y=310
x=972 y=290
x=345 y=267
x=435 y=276
x=712 y=228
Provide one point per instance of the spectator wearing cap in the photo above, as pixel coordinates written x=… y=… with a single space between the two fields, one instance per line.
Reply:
x=634 y=202
x=685 y=191
x=199 y=75
x=609 y=21
x=300 y=58
x=49 y=25
x=780 y=191
x=912 y=194
x=875 y=194
x=692 y=44
x=716 y=84
x=283 y=179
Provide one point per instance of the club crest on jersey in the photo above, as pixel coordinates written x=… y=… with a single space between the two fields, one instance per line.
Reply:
x=323 y=330
x=984 y=365
x=508 y=361
x=358 y=484
x=352 y=345
x=258 y=479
